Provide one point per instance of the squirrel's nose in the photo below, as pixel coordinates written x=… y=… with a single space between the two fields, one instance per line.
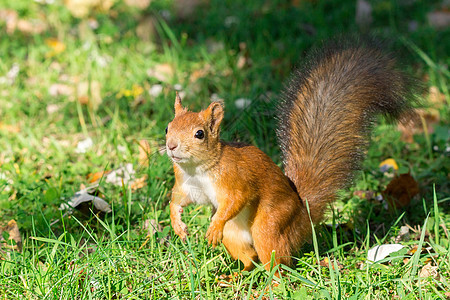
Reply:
x=172 y=145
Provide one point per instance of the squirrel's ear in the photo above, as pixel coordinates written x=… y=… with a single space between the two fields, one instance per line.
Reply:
x=178 y=107
x=213 y=116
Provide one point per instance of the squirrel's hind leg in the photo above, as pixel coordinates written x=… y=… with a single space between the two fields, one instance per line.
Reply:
x=238 y=243
x=268 y=238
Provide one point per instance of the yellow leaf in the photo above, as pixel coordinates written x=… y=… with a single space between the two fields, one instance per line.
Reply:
x=389 y=163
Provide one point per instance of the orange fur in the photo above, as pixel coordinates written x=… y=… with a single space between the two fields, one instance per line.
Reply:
x=326 y=120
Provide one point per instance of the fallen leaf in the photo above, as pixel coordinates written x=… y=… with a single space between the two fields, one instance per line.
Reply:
x=60 y=89
x=200 y=73
x=152 y=227
x=52 y=108
x=82 y=8
x=387 y=164
x=326 y=263
x=56 y=47
x=155 y=90
x=141 y=4
x=403 y=234
x=138 y=183
x=436 y=97
x=146 y=29
x=10 y=17
x=84 y=145
x=378 y=252
x=83 y=201
x=120 y=176
x=144 y=152
x=401 y=190
x=9 y=128
x=162 y=72
x=242 y=103
x=429 y=271
x=427 y=119
x=93 y=177
x=439 y=19
x=11 y=76
x=33 y=26
x=13 y=234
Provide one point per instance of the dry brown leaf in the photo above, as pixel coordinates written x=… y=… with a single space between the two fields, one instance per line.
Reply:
x=9 y=128
x=428 y=117
x=14 y=234
x=145 y=151
x=401 y=190
x=146 y=29
x=141 y=4
x=56 y=47
x=34 y=26
x=60 y=89
x=93 y=177
x=436 y=97
x=200 y=73
x=82 y=8
x=162 y=72
x=429 y=271
x=139 y=183
x=10 y=17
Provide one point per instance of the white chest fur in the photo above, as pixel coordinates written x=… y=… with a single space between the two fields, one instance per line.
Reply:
x=200 y=189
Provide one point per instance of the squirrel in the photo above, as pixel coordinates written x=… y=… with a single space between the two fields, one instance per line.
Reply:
x=325 y=117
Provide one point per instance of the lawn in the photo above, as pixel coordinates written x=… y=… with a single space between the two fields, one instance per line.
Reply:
x=86 y=91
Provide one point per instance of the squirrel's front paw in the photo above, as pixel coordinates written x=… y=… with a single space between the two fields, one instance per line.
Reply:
x=214 y=234
x=180 y=229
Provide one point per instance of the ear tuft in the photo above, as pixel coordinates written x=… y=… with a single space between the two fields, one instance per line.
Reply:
x=178 y=107
x=213 y=116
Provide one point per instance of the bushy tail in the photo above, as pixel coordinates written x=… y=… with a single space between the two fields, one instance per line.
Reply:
x=327 y=112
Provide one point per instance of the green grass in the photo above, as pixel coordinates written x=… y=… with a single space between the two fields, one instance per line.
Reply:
x=76 y=256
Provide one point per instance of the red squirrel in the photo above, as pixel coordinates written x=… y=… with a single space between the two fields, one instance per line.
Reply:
x=326 y=114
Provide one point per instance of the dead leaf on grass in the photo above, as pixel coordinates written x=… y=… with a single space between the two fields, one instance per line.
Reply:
x=401 y=190
x=141 y=4
x=82 y=8
x=34 y=26
x=146 y=29
x=12 y=230
x=387 y=164
x=139 y=183
x=93 y=177
x=380 y=252
x=9 y=128
x=56 y=47
x=84 y=201
x=162 y=72
x=427 y=119
x=60 y=89
x=145 y=151
x=121 y=176
x=430 y=271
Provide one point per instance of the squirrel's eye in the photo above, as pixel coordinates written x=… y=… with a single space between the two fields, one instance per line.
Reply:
x=200 y=134
x=166 y=130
